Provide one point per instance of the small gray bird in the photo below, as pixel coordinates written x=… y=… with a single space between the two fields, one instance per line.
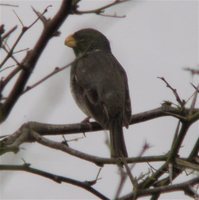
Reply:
x=99 y=85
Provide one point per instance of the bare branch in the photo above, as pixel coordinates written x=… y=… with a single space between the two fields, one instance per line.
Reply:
x=13 y=142
x=55 y=71
x=175 y=187
x=41 y=16
x=178 y=99
x=178 y=141
x=11 y=66
x=194 y=101
x=50 y=129
x=8 y=33
x=24 y=29
x=30 y=60
x=6 y=4
x=5 y=81
x=58 y=179
x=128 y=173
x=21 y=50
x=150 y=182
x=186 y=164
x=12 y=48
x=100 y=11
x=18 y=18
x=192 y=71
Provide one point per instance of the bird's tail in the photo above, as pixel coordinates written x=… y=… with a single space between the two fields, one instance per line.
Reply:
x=118 y=147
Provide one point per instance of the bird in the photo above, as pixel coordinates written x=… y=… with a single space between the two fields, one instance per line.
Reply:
x=99 y=85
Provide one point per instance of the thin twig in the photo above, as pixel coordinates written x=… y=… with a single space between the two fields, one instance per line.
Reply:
x=112 y=15
x=194 y=101
x=13 y=47
x=21 y=50
x=11 y=55
x=178 y=99
x=7 y=34
x=18 y=18
x=93 y=182
x=24 y=29
x=40 y=16
x=128 y=173
x=58 y=179
x=11 y=66
x=195 y=87
x=55 y=71
x=133 y=180
x=30 y=60
x=62 y=147
x=192 y=71
x=9 y=77
x=163 y=189
x=99 y=11
x=186 y=164
x=6 y=4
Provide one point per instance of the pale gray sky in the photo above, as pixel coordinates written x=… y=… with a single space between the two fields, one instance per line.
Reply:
x=156 y=38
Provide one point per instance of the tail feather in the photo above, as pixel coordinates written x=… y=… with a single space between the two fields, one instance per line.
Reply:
x=118 y=147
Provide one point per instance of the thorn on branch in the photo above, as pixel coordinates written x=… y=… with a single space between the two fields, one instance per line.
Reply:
x=18 y=18
x=26 y=164
x=195 y=87
x=41 y=15
x=65 y=142
x=192 y=71
x=43 y=19
x=72 y=140
x=151 y=169
x=145 y=147
x=93 y=182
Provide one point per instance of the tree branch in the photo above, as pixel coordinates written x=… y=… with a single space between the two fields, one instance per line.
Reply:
x=178 y=99
x=49 y=129
x=30 y=60
x=58 y=179
x=98 y=11
x=175 y=187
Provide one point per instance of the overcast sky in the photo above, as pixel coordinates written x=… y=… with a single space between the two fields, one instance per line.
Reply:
x=156 y=38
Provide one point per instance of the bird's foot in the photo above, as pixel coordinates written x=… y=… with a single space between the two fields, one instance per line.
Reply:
x=86 y=122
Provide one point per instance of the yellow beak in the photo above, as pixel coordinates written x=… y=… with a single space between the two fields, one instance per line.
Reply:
x=70 y=41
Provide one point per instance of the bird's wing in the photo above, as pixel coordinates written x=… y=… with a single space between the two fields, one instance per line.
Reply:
x=98 y=75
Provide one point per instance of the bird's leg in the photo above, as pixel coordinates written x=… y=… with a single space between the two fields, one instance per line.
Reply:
x=86 y=122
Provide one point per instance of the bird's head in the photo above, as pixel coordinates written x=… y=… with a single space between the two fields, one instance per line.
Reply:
x=87 y=40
